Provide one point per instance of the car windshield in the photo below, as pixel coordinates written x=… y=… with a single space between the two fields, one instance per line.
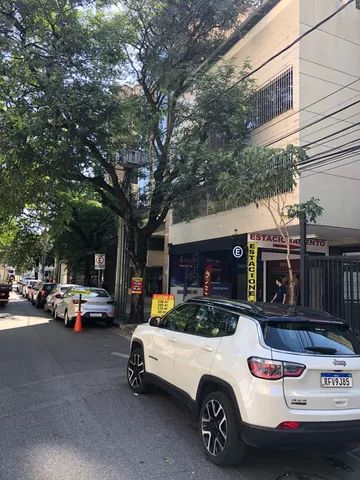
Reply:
x=311 y=337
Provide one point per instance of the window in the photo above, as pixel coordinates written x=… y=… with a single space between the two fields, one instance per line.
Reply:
x=311 y=337
x=213 y=322
x=274 y=98
x=181 y=319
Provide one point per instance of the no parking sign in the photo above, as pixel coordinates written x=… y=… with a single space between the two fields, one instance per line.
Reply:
x=99 y=261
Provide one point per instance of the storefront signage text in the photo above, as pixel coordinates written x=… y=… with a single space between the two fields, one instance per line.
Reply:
x=207 y=281
x=265 y=240
x=136 y=286
x=252 y=249
x=161 y=304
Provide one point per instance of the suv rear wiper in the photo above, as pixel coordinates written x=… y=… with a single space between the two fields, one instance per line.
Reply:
x=325 y=350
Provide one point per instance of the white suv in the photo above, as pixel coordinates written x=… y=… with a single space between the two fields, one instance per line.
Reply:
x=264 y=375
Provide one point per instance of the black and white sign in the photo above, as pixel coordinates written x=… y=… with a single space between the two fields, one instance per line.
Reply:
x=99 y=261
x=238 y=251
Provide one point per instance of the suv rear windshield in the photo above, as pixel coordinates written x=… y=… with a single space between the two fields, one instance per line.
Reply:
x=320 y=338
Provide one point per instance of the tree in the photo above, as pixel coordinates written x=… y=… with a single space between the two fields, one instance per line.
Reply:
x=87 y=231
x=82 y=86
x=267 y=177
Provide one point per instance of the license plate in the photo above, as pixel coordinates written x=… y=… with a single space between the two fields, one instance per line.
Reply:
x=95 y=314
x=336 y=380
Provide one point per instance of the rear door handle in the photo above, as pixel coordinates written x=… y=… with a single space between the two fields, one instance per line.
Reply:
x=207 y=348
x=172 y=340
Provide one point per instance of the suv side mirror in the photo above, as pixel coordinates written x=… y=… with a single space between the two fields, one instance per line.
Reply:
x=154 y=321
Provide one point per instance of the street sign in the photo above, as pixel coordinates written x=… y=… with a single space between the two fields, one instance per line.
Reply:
x=136 y=286
x=99 y=261
x=161 y=304
x=238 y=251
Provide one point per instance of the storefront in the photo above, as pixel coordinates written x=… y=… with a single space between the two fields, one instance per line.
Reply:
x=241 y=267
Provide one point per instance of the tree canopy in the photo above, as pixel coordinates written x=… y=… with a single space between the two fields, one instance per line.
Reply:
x=84 y=83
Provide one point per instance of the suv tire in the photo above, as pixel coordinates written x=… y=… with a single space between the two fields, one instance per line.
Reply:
x=218 y=425
x=136 y=372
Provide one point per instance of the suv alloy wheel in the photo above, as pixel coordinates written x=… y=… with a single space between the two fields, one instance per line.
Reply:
x=136 y=371
x=219 y=430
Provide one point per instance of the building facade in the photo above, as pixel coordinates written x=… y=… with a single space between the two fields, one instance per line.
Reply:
x=309 y=96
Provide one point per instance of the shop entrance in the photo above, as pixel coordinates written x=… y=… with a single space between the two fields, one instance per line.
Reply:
x=278 y=269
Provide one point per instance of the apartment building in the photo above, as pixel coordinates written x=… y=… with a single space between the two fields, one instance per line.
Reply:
x=309 y=95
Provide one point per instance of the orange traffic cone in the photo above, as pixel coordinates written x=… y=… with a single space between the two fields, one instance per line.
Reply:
x=78 y=323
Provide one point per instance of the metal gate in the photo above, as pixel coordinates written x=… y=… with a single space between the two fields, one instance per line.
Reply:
x=333 y=285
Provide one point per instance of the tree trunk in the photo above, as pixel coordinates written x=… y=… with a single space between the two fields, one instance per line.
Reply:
x=138 y=248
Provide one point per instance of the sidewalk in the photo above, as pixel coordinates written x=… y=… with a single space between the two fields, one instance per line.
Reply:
x=127 y=329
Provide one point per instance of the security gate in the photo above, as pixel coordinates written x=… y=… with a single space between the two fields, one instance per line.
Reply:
x=333 y=285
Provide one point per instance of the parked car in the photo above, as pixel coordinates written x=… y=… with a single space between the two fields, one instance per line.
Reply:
x=40 y=292
x=96 y=304
x=22 y=283
x=31 y=289
x=27 y=288
x=55 y=296
x=263 y=375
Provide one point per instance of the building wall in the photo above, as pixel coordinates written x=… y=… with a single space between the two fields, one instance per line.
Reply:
x=330 y=67
x=278 y=28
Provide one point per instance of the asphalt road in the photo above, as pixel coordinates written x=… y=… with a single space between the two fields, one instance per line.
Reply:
x=66 y=413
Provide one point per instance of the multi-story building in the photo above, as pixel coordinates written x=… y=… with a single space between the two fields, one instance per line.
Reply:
x=309 y=96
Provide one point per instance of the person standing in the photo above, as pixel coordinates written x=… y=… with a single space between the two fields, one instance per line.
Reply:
x=280 y=295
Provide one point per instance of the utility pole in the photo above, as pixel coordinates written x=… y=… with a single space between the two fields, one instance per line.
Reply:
x=303 y=282
x=121 y=273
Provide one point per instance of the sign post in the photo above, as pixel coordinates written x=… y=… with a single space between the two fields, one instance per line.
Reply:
x=100 y=261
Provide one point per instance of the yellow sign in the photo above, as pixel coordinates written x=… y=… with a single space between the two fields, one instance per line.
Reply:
x=80 y=292
x=252 y=250
x=161 y=304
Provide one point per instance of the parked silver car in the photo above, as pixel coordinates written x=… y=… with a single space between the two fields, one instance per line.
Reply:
x=27 y=288
x=56 y=295
x=96 y=304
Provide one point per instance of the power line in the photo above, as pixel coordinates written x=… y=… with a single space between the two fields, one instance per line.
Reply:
x=325 y=117
x=261 y=130
x=331 y=135
x=266 y=62
x=331 y=149
x=315 y=172
x=331 y=158
x=332 y=124
x=285 y=49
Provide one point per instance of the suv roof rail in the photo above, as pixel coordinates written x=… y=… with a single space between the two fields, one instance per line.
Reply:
x=263 y=310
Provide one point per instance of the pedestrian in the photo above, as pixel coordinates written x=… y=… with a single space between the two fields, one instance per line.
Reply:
x=280 y=295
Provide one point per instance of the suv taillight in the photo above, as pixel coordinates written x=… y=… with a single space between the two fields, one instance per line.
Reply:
x=274 y=369
x=76 y=302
